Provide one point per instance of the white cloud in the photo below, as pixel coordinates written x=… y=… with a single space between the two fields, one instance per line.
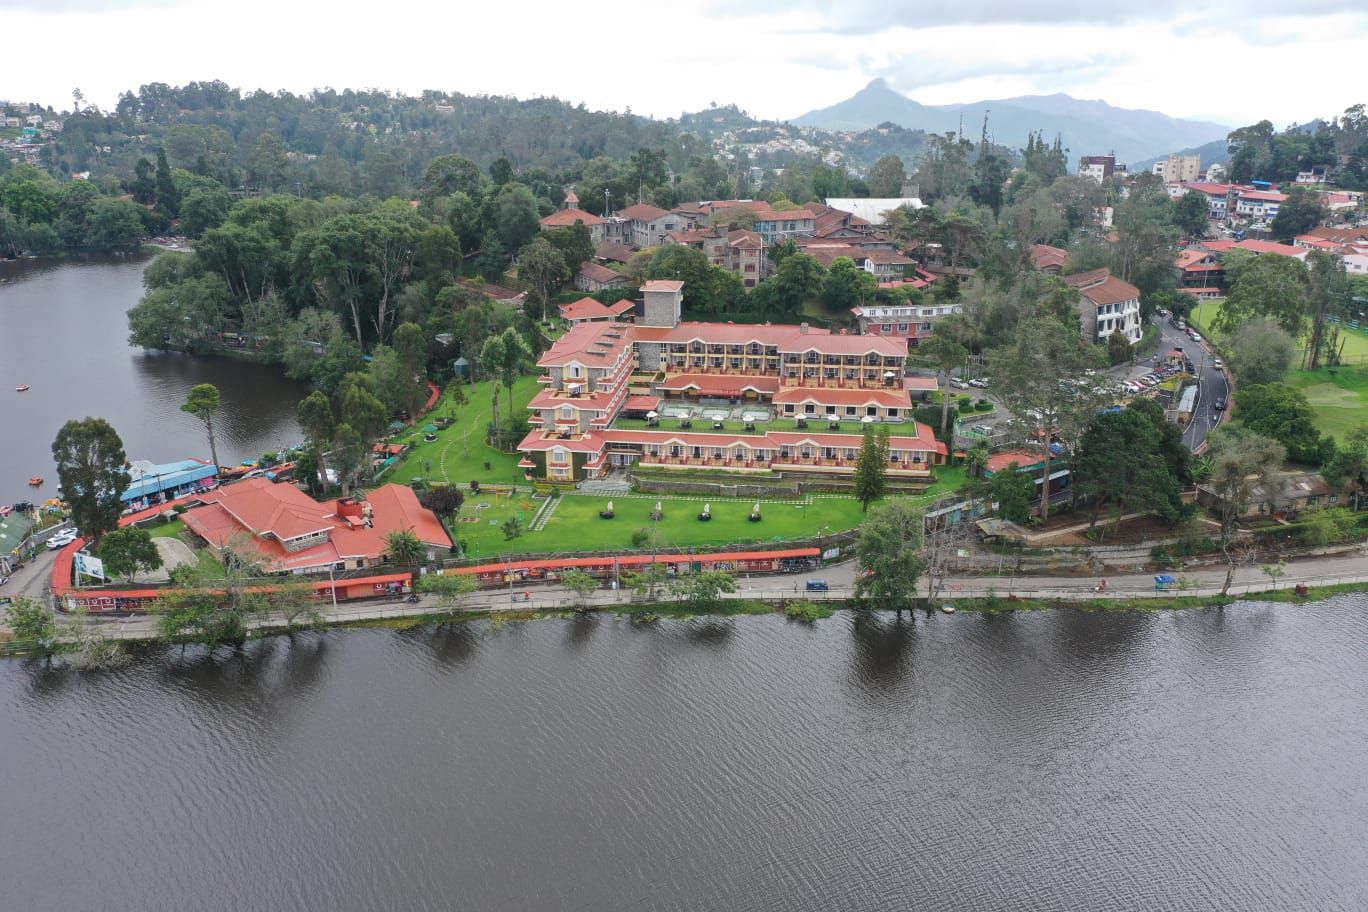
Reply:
x=1235 y=61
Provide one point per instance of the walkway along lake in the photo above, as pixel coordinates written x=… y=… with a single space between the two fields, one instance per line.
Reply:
x=1193 y=760
x=64 y=332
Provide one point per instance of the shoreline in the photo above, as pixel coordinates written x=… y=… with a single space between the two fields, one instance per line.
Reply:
x=406 y=618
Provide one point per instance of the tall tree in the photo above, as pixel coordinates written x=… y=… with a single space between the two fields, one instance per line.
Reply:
x=1328 y=298
x=1260 y=351
x=125 y=552
x=947 y=354
x=541 y=264
x=1243 y=463
x=93 y=471
x=846 y=285
x=887 y=177
x=1012 y=490
x=1269 y=285
x=1190 y=214
x=168 y=197
x=203 y=403
x=870 y=471
x=1278 y=411
x=889 y=555
x=1118 y=462
x=316 y=419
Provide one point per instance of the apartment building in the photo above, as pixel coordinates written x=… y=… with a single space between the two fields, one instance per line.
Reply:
x=1107 y=305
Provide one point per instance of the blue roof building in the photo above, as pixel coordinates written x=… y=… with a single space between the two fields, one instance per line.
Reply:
x=172 y=479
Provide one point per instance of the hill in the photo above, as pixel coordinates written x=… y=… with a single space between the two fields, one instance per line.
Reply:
x=1086 y=127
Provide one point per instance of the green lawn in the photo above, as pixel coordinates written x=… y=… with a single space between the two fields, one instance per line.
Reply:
x=1338 y=395
x=1355 y=340
x=576 y=525
x=459 y=454
x=166 y=530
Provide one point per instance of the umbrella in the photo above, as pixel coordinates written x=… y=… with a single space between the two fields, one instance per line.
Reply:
x=868 y=419
x=658 y=510
x=396 y=425
x=610 y=506
x=429 y=429
x=652 y=414
x=707 y=508
x=756 y=508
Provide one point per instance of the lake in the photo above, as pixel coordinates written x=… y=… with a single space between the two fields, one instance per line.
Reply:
x=64 y=332
x=1198 y=760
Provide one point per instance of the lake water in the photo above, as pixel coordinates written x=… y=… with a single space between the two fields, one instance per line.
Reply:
x=64 y=332
x=1199 y=760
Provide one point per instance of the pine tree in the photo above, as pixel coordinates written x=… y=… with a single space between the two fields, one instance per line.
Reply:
x=168 y=197
x=870 y=483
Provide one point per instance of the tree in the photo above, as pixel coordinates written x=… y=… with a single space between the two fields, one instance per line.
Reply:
x=1260 y=351
x=1190 y=214
x=168 y=197
x=797 y=279
x=888 y=554
x=582 y=584
x=203 y=403
x=444 y=501
x=575 y=243
x=947 y=354
x=402 y=546
x=870 y=478
x=203 y=209
x=93 y=471
x=493 y=256
x=1119 y=349
x=887 y=177
x=1172 y=448
x=648 y=582
x=1298 y=214
x=127 y=551
x=1040 y=379
x=1328 y=299
x=1282 y=413
x=1012 y=490
x=31 y=622
x=702 y=591
x=515 y=215
x=448 y=174
x=360 y=408
x=1269 y=285
x=349 y=453
x=1118 y=462
x=451 y=589
x=316 y=420
x=1243 y=464
x=847 y=285
x=506 y=361
x=115 y=224
x=541 y=264
x=1347 y=470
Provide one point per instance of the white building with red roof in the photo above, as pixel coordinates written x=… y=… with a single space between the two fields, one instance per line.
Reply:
x=1107 y=305
x=572 y=213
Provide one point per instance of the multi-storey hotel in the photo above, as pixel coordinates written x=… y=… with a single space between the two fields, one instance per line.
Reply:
x=772 y=378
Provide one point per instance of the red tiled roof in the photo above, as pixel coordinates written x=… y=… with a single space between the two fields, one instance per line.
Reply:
x=1046 y=256
x=1271 y=247
x=585 y=309
x=721 y=384
x=1101 y=287
x=1024 y=459
x=641 y=404
x=565 y=218
x=921 y=384
x=642 y=213
x=662 y=285
x=601 y=274
x=621 y=307
x=618 y=253
x=594 y=343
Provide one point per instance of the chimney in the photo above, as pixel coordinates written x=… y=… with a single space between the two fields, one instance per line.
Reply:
x=803 y=327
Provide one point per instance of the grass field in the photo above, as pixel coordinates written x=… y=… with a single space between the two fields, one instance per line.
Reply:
x=1338 y=395
x=1355 y=341
x=459 y=454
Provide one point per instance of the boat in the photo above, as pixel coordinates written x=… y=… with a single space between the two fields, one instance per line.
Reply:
x=948 y=608
x=21 y=388
x=36 y=480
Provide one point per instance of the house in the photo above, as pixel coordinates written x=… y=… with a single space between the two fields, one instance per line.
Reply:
x=1289 y=493
x=1260 y=205
x=647 y=226
x=1097 y=167
x=497 y=292
x=914 y=322
x=1256 y=247
x=612 y=252
x=291 y=532
x=1200 y=273
x=566 y=218
x=1107 y=305
x=740 y=251
x=593 y=277
x=1049 y=259
x=587 y=310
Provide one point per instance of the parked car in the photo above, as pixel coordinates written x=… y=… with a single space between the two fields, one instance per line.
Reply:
x=818 y=585
x=1219 y=405
x=980 y=382
x=959 y=383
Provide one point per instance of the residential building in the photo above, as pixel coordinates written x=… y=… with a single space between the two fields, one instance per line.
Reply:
x=572 y=213
x=1260 y=205
x=914 y=322
x=292 y=532
x=740 y=251
x=587 y=310
x=1049 y=259
x=612 y=252
x=593 y=277
x=647 y=226
x=874 y=211
x=1200 y=273
x=1107 y=305
x=1097 y=167
x=497 y=292
x=1178 y=168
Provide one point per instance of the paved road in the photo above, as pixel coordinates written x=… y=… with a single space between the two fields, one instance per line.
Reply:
x=33 y=579
x=840 y=578
x=1211 y=383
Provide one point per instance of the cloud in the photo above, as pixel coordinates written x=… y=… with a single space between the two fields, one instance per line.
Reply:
x=867 y=17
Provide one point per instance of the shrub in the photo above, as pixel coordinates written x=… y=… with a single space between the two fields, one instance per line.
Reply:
x=807 y=612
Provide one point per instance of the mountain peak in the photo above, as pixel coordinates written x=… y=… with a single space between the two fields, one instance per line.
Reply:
x=877 y=84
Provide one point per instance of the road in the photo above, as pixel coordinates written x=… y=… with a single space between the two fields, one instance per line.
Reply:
x=1211 y=383
x=840 y=579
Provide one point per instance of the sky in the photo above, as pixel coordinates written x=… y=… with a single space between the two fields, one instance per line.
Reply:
x=1230 y=61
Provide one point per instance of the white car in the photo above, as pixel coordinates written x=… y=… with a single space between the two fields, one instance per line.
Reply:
x=1217 y=363
x=959 y=383
x=981 y=382
x=62 y=539
x=1196 y=337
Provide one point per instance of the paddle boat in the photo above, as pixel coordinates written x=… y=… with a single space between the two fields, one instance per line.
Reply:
x=36 y=480
x=21 y=388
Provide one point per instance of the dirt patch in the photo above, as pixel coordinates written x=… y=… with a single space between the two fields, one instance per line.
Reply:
x=174 y=552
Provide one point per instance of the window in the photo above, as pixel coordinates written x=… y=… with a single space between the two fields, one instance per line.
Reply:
x=886 y=327
x=560 y=455
x=902 y=327
x=567 y=413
